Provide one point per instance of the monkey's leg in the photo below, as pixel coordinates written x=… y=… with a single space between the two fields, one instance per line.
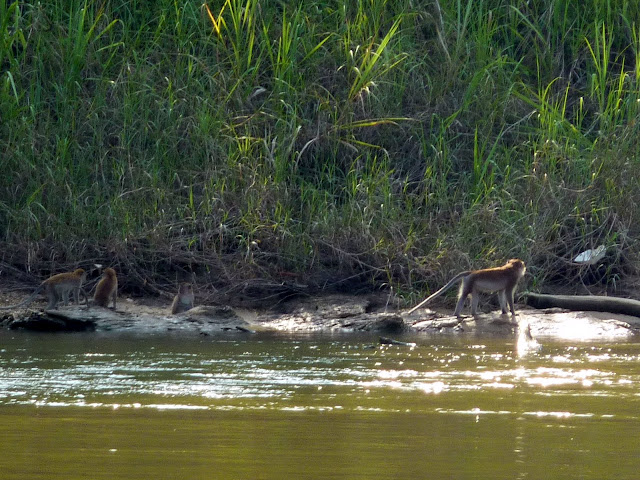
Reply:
x=475 y=299
x=502 y=298
x=53 y=299
x=460 y=305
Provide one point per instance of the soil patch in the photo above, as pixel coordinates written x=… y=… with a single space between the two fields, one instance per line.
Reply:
x=308 y=314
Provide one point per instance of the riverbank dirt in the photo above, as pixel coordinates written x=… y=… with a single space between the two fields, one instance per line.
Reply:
x=337 y=312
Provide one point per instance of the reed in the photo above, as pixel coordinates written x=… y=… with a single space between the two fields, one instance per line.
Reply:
x=362 y=143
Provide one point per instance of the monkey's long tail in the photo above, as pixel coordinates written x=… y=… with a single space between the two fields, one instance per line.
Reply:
x=26 y=302
x=442 y=290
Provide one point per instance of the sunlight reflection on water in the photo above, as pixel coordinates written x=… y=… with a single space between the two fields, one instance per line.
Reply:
x=555 y=407
x=290 y=373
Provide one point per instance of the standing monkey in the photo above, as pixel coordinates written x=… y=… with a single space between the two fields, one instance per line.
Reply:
x=184 y=300
x=57 y=288
x=107 y=289
x=502 y=279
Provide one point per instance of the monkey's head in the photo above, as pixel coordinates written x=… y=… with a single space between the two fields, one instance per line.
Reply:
x=518 y=265
x=109 y=272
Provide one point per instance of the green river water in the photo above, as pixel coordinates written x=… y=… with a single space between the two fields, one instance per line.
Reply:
x=266 y=406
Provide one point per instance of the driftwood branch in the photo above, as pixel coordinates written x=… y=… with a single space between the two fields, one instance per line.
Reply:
x=591 y=303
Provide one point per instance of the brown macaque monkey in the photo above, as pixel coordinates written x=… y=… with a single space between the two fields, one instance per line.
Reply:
x=183 y=301
x=107 y=289
x=502 y=279
x=58 y=288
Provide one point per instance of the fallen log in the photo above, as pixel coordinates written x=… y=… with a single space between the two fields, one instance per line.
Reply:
x=593 y=303
x=51 y=321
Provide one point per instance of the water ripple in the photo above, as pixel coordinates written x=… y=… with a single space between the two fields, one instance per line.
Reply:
x=298 y=375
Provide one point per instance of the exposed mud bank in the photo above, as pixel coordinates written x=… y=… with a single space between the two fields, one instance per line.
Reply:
x=333 y=312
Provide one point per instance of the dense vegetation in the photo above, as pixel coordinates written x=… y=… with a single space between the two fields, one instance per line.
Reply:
x=320 y=142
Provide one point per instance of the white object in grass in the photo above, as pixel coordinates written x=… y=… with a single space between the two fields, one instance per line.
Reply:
x=590 y=256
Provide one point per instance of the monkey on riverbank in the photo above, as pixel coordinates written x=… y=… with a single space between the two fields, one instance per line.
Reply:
x=184 y=300
x=502 y=279
x=107 y=289
x=56 y=288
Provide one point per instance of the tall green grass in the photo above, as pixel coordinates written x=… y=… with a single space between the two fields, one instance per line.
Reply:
x=337 y=143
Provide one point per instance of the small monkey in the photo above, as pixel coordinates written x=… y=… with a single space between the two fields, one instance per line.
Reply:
x=107 y=289
x=183 y=301
x=58 y=288
x=502 y=279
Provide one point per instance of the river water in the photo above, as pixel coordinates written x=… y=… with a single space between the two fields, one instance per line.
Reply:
x=274 y=406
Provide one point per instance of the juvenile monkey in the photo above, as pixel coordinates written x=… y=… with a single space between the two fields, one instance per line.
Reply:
x=183 y=301
x=107 y=289
x=502 y=279
x=57 y=288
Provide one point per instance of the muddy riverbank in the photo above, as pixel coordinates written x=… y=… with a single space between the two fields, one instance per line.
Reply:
x=310 y=314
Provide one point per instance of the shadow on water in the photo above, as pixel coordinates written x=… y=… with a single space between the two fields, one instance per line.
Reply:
x=106 y=405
